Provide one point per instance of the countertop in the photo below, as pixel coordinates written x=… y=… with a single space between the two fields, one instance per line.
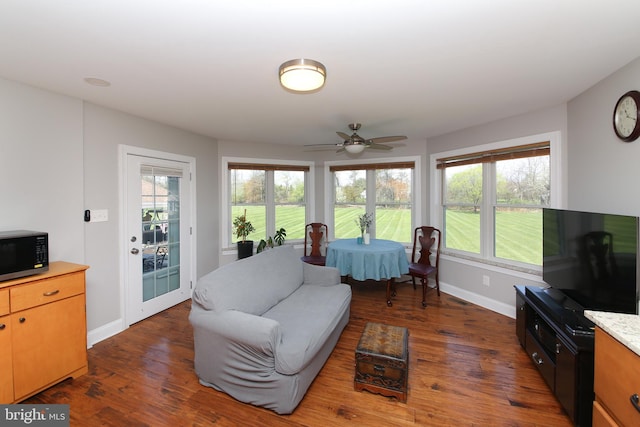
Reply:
x=623 y=327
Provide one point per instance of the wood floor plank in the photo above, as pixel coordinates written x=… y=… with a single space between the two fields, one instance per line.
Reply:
x=465 y=368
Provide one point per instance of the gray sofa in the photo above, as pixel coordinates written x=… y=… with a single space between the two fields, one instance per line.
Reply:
x=265 y=325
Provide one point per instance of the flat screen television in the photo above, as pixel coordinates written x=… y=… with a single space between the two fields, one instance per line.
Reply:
x=592 y=258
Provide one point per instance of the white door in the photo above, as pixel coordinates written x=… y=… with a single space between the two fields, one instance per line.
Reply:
x=158 y=233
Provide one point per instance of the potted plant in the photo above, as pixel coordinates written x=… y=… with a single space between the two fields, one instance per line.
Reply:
x=364 y=221
x=242 y=228
x=276 y=240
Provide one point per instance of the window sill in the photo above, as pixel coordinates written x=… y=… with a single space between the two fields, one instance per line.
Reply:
x=494 y=264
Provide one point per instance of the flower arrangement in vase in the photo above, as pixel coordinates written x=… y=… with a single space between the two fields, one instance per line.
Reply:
x=364 y=221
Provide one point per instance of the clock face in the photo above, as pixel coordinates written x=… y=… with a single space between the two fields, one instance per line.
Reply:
x=626 y=116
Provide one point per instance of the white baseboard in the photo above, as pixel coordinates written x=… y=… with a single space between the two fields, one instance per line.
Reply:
x=482 y=301
x=103 y=332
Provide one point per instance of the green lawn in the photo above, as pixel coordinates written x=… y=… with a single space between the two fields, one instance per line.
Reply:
x=518 y=232
x=392 y=224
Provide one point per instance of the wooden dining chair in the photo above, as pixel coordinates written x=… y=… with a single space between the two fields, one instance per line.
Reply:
x=315 y=240
x=426 y=240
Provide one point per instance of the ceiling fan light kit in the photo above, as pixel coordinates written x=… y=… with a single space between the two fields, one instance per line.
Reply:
x=355 y=144
x=302 y=75
x=354 y=148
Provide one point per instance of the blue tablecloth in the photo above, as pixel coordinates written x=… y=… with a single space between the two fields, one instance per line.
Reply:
x=381 y=259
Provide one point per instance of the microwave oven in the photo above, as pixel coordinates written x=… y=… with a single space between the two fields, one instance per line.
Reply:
x=23 y=253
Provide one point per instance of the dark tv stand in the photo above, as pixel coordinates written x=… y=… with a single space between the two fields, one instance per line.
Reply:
x=559 y=340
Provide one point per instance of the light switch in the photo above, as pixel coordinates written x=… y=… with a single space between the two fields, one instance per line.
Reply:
x=99 y=215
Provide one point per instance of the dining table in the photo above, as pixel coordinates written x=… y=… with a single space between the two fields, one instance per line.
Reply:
x=381 y=259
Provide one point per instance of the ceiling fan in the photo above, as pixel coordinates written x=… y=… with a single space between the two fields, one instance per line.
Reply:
x=356 y=144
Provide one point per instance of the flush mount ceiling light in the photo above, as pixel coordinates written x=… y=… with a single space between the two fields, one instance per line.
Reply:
x=93 y=81
x=354 y=148
x=302 y=75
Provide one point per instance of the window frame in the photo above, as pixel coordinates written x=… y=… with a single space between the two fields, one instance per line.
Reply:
x=225 y=214
x=487 y=243
x=416 y=188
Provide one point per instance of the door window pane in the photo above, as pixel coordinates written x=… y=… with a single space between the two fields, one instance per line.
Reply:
x=160 y=234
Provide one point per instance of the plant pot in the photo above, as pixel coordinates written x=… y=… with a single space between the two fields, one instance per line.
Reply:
x=245 y=249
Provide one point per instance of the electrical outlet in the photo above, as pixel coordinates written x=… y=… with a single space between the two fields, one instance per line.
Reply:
x=486 y=281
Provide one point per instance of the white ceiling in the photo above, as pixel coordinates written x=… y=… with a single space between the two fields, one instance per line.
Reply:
x=415 y=68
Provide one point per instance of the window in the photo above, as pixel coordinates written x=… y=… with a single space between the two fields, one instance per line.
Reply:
x=384 y=189
x=491 y=201
x=273 y=196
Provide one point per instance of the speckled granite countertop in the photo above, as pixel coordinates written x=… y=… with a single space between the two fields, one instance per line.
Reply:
x=623 y=327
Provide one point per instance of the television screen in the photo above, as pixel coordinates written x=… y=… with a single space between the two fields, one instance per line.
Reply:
x=592 y=258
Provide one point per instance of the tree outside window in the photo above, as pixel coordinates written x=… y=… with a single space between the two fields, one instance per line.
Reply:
x=495 y=200
x=383 y=190
x=274 y=196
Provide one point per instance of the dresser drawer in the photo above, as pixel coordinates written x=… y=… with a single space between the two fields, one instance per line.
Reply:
x=4 y=302
x=617 y=378
x=46 y=291
x=601 y=418
x=545 y=365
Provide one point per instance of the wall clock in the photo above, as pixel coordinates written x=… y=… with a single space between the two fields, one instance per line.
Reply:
x=626 y=116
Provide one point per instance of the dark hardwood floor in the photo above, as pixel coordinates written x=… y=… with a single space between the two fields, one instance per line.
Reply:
x=466 y=368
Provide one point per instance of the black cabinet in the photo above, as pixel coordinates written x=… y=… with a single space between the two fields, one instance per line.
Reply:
x=559 y=342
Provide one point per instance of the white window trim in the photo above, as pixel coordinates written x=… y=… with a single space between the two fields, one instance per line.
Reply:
x=416 y=187
x=556 y=199
x=225 y=190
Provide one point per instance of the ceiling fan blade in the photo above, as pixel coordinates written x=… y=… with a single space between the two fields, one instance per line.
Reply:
x=334 y=144
x=343 y=136
x=379 y=147
x=382 y=139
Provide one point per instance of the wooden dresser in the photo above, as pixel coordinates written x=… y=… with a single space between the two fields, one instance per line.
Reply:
x=617 y=370
x=43 y=330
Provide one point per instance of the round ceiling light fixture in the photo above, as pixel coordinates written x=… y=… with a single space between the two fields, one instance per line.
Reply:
x=354 y=148
x=302 y=75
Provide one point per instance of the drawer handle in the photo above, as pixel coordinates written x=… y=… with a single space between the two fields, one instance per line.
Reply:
x=2 y=326
x=635 y=401
x=51 y=293
x=378 y=368
x=537 y=359
x=22 y=320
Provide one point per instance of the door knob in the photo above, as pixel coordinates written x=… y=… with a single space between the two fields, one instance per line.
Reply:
x=135 y=251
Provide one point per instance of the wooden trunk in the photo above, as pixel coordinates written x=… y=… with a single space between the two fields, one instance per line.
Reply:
x=382 y=360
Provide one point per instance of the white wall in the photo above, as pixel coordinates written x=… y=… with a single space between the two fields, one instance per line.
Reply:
x=104 y=131
x=59 y=156
x=604 y=172
x=41 y=167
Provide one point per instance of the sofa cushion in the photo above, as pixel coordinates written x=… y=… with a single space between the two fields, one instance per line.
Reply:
x=307 y=318
x=251 y=285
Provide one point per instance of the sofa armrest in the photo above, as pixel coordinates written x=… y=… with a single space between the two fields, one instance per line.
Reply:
x=231 y=327
x=319 y=275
